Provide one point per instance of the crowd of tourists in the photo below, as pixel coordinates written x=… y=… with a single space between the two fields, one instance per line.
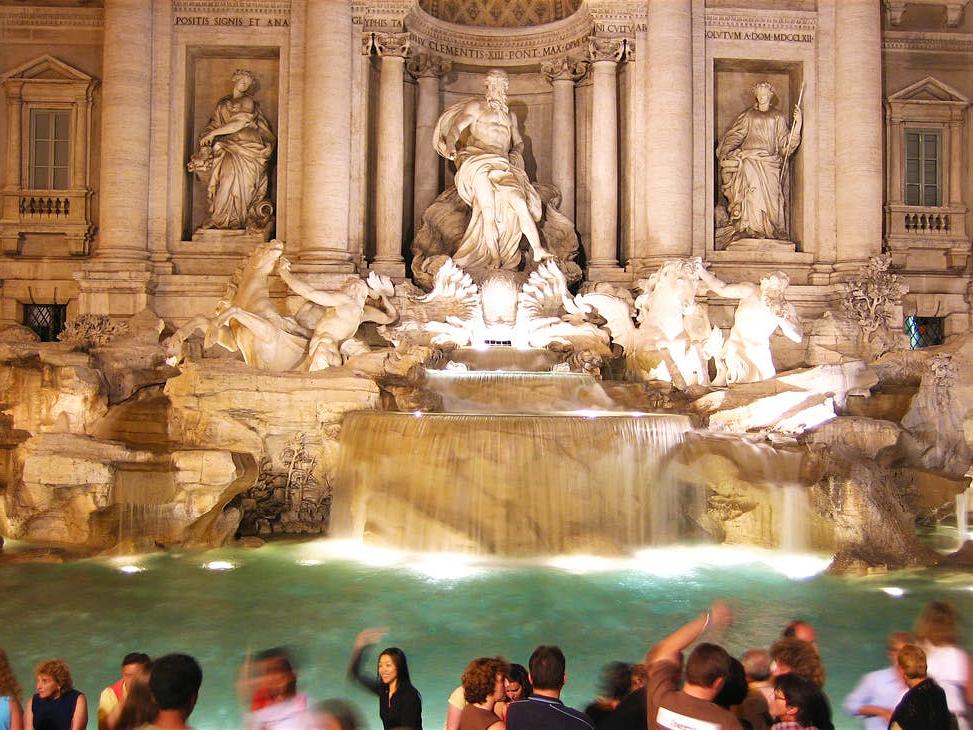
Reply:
x=927 y=685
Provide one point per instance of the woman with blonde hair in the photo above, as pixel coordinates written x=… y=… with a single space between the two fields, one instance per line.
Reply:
x=11 y=716
x=57 y=705
x=937 y=629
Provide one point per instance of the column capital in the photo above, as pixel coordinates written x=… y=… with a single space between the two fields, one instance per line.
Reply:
x=395 y=45
x=607 y=49
x=428 y=65
x=565 y=68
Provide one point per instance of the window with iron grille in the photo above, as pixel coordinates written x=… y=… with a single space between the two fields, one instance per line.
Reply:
x=49 y=154
x=922 y=167
x=925 y=331
x=47 y=320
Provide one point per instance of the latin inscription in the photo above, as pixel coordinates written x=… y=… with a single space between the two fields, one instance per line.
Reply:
x=230 y=21
x=496 y=54
x=759 y=35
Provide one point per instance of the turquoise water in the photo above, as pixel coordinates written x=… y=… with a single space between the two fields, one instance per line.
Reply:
x=443 y=611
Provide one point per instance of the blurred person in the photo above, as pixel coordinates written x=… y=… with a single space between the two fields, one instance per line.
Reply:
x=282 y=706
x=543 y=710
x=923 y=707
x=111 y=698
x=400 y=704
x=139 y=707
x=937 y=630
x=640 y=676
x=799 y=703
x=796 y=656
x=57 y=705
x=11 y=713
x=334 y=715
x=734 y=692
x=614 y=685
x=755 y=707
x=707 y=669
x=800 y=629
x=516 y=687
x=483 y=687
x=878 y=692
x=175 y=680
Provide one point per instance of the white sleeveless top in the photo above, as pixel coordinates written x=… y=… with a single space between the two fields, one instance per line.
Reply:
x=949 y=666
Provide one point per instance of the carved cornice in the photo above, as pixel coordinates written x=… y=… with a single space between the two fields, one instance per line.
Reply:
x=607 y=49
x=565 y=68
x=499 y=46
x=937 y=42
x=795 y=26
x=281 y=8
x=428 y=65
x=391 y=44
x=12 y=18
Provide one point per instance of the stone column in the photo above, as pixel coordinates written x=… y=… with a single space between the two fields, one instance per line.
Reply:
x=326 y=149
x=668 y=56
x=427 y=69
x=955 y=163
x=858 y=132
x=392 y=48
x=895 y=181
x=11 y=177
x=125 y=119
x=562 y=74
x=605 y=54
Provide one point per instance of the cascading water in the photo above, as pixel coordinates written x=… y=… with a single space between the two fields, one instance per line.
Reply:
x=523 y=463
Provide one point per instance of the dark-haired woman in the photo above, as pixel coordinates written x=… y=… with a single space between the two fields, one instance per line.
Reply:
x=516 y=687
x=799 y=703
x=400 y=704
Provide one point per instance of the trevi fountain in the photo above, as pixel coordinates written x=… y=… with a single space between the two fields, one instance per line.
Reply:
x=317 y=315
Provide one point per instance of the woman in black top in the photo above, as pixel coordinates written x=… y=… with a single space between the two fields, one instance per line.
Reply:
x=400 y=705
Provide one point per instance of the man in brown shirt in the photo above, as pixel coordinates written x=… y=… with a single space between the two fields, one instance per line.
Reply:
x=690 y=708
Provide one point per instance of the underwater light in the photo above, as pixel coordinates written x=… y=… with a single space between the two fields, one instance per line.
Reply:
x=581 y=564
x=894 y=591
x=446 y=566
x=219 y=565
x=309 y=562
x=130 y=569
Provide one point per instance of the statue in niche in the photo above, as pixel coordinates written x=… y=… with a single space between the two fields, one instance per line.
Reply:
x=481 y=137
x=233 y=160
x=745 y=356
x=754 y=157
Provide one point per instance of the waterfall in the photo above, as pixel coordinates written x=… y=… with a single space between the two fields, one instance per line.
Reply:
x=794 y=509
x=962 y=516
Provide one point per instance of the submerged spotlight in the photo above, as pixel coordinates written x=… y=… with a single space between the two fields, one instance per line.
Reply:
x=219 y=565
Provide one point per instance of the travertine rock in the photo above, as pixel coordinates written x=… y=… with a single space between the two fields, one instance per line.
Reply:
x=866 y=435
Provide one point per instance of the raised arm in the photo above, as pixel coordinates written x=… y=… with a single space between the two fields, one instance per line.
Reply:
x=236 y=123
x=324 y=298
x=721 y=288
x=790 y=324
x=668 y=650
x=364 y=640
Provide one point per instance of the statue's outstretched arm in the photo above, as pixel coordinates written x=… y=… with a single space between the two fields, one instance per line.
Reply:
x=721 y=288
x=790 y=324
x=324 y=298
x=238 y=122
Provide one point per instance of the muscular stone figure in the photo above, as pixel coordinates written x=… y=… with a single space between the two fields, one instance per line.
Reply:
x=481 y=136
x=763 y=308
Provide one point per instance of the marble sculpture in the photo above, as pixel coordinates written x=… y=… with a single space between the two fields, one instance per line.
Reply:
x=754 y=156
x=233 y=160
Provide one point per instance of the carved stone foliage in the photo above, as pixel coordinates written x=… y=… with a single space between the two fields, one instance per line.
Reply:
x=92 y=330
x=428 y=65
x=870 y=300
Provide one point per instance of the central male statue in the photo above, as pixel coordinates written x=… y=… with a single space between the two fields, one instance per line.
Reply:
x=481 y=136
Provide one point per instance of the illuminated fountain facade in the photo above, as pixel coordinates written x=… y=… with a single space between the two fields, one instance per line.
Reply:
x=472 y=278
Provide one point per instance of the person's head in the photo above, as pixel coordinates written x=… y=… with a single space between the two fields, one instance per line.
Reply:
x=497 y=84
x=242 y=80
x=640 y=676
x=9 y=687
x=793 y=656
x=139 y=707
x=763 y=92
x=756 y=664
x=134 y=664
x=175 y=680
x=734 y=689
x=938 y=624
x=911 y=663
x=774 y=284
x=799 y=700
x=707 y=667
x=277 y=675
x=517 y=685
x=393 y=667
x=547 y=667
x=483 y=678
x=615 y=681
x=895 y=641
x=53 y=678
x=334 y=715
